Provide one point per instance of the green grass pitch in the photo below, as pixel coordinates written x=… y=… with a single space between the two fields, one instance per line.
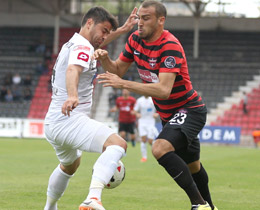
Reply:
x=25 y=166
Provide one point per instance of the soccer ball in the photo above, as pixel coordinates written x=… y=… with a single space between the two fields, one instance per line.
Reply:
x=118 y=176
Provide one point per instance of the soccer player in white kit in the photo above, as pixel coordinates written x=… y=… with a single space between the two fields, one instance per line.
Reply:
x=68 y=127
x=146 y=114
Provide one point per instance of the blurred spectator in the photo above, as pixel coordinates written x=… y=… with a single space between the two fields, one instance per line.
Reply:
x=3 y=93
x=49 y=86
x=17 y=79
x=48 y=54
x=27 y=94
x=42 y=68
x=17 y=93
x=9 y=96
x=41 y=46
x=245 y=100
x=27 y=80
x=8 y=79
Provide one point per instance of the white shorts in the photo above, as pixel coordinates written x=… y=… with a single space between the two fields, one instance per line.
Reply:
x=76 y=134
x=150 y=131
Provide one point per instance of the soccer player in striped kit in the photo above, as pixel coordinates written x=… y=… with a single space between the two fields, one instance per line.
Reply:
x=162 y=66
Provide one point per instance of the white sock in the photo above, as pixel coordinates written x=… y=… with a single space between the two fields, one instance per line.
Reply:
x=104 y=169
x=143 y=149
x=58 y=183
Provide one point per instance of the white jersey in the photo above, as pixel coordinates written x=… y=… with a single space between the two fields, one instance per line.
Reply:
x=76 y=51
x=146 y=108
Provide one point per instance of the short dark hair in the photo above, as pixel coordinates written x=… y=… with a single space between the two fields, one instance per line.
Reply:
x=100 y=15
x=159 y=7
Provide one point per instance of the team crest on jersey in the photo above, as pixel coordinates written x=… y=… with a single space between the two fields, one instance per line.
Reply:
x=170 y=62
x=83 y=56
x=152 y=62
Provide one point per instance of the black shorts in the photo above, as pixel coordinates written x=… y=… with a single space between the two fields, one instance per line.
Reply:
x=182 y=132
x=127 y=127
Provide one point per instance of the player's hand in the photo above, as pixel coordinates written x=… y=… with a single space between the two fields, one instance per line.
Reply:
x=70 y=104
x=110 y=80
x=155 y=115
x=131 y=21
x=100 y=54
x=138 y=115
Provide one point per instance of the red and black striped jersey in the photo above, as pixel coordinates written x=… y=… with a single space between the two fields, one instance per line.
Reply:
x=164 y=55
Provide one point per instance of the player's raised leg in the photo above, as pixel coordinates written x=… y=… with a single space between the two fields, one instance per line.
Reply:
x=103 y=170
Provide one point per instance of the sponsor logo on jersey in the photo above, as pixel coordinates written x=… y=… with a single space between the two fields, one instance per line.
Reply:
x=152 y=62
x=83 y=56
x=148 y=76
x=81 y=47
x=136 y=52
x=170 y=62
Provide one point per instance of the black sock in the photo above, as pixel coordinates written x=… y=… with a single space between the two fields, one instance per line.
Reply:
x=133 y=142
x=179 y=171
x=201 y=179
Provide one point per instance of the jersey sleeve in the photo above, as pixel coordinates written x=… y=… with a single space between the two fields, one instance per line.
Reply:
x=80 y=55
x=127 y=54
x=171 y=58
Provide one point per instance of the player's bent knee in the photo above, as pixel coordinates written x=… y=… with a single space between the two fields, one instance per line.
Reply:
x=115 y=139
x=71 y=169
x=161 y=147
x=194 y=167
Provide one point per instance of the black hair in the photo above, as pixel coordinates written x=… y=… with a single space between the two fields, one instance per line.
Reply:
x=100 y=15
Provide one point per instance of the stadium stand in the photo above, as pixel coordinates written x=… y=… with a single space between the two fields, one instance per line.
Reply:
x=22 y=49
x=227 y=60
x=236 y=117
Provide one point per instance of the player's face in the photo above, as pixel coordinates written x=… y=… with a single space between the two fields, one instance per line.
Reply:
x=148 y=23
x=125 y=93
x=98 y=33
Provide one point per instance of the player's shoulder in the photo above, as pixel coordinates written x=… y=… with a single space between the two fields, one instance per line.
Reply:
x=170 y=40
x=81 y=43
x=142 y=98
x=132 y=98
x=119 y=98
x=134 y=37
x=135 y=33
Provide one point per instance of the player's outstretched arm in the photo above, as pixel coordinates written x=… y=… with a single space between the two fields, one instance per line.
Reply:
x=117 y=67
x=128 y=25
x=162 y=89
x=113 y=109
